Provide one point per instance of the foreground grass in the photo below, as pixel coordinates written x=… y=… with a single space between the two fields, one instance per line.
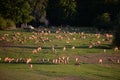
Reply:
x=59 y=72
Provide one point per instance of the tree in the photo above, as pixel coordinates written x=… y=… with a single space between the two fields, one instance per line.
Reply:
x=38 y=8
x=61 y=11
x=68 y=10
x=103 y=21
x=116 y=39
x=18 y=11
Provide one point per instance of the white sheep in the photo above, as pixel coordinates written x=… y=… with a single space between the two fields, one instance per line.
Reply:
x=76 y=59
x=73 y=47
x=34 y=51
x=104 y=50
x=28 y=60
x=31 y=66
x=64 y=48
x=116 y=49
x=39 y=49
x=100 y=61
x=90 y=46
x=118 y=61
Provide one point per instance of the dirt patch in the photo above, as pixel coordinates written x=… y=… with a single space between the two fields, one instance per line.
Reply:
x=94 y=58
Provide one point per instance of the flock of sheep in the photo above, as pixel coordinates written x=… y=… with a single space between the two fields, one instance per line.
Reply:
x=42 y=37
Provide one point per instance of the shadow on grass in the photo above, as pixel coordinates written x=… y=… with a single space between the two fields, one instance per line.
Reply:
x=103 y=46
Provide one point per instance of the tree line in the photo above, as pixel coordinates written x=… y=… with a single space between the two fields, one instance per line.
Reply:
x=102 y=14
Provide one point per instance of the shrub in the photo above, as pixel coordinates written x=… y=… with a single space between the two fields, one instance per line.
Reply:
x=6 y=24
x=2 y=23
x=10 y=24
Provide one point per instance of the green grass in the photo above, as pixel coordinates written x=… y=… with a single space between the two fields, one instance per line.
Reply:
x=46 y=72
x=20 y=71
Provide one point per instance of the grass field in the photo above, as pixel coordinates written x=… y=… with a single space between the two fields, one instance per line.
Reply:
x=20 y=44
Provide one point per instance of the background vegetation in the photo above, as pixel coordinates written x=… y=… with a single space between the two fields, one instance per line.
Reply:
x=102 y=14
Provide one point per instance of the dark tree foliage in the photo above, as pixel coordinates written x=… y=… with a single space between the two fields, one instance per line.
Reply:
x=102 y=14
x=116 y=39
x=38 y=8
x=16 y=10
x=61 y=12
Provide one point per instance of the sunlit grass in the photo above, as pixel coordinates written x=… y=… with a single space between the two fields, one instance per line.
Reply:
x=86 y=71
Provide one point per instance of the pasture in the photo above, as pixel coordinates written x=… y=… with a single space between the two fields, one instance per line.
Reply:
x=58 y=54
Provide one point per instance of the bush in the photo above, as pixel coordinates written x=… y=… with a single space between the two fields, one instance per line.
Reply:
x=6 y=24
x=2 y=23
x=10 y=24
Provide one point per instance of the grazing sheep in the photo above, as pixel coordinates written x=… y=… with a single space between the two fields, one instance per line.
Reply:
x=118 y=61
x=100 y=61
x=67 y=59
x=76 y=59
x=31 y=66
x=34 y=51
x=104 y=50
x=67 y=42
x=98 y=43
x=39 y=49
x=7 y=59
x=98 y=36
x=74 y=38
x=28 y=60
x=6 y=35
x=116 y=49
x=90 y=46
x=73 y=47
x=53 y=61
x=54 y=50
x=64 y=48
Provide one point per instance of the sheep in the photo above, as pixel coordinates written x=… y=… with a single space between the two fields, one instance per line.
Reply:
x=74 y=38
x=98 y=43
x=98 y=36
x=34 y=51
x=118 y=61
x=67 y=42
x=77 y=62
x=116 y=49
x=76 y=59
x=53 y=61
x=18 y=33
x=73 y=47
x=31 y=66
x=67 y=59
x=11 y=60
x=90 y=46
x=104 y=50
x=28 y=60
x=39 y=49
x=82 y=33
x=7 y=59
x=100 y=61
x=17 y=60
x=64 y=48
x=54 y=50
x=63 y=57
